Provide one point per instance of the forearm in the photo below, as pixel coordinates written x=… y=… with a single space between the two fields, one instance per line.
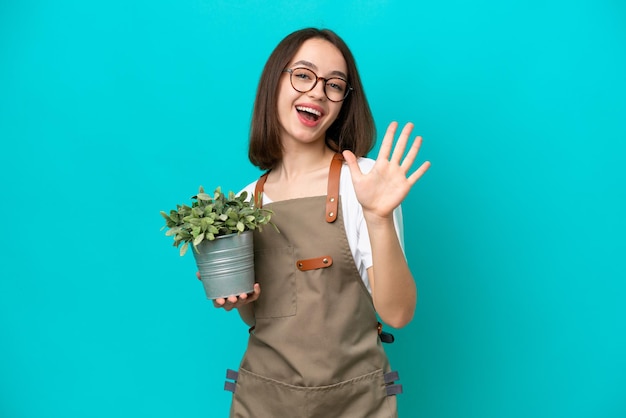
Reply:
x=393 y=288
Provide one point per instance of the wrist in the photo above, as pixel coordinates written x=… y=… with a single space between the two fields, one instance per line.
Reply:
x=374 y=220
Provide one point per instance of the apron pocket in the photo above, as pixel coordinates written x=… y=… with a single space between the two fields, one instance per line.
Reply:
x=364 y=396
x=277 y=276
x=258 y=396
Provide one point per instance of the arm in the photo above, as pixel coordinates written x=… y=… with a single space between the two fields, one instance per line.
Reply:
x=395 y=293
x=379 y=192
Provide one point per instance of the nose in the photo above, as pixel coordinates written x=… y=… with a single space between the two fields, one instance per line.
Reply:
x=318 y=90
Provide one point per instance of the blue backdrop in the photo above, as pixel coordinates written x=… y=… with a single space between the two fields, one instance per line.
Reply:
x=111 y=111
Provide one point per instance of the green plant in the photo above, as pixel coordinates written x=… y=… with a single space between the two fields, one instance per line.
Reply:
x=208 y=218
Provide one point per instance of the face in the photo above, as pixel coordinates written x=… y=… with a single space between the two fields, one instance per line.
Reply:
x=305 y=117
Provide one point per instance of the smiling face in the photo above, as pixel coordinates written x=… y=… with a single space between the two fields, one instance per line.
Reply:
x=305 y=117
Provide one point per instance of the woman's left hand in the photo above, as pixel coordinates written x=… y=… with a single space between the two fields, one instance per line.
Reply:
x=383 y=189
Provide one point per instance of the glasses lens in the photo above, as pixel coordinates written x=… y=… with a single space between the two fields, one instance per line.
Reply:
x=336 y=89
x=303 y=80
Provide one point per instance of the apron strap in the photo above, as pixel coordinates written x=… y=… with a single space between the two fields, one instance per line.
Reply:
x=391 y=387
x=332 y=195
x=393 y=390
x=391 y=377
x=232 y=375
x=258 y=190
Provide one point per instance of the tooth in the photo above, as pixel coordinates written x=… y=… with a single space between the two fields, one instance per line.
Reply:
x=309 y=110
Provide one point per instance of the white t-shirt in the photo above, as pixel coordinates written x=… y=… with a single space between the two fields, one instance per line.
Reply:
x=354 y=222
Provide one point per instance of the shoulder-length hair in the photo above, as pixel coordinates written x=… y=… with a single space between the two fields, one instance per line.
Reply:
x=354 y=128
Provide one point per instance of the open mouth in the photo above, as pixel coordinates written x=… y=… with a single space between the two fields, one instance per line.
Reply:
x=309 y=113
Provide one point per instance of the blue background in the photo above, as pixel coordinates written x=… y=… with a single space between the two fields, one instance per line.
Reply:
x=111 y=111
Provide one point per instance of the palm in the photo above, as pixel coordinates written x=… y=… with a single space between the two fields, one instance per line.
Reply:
x=383 y=189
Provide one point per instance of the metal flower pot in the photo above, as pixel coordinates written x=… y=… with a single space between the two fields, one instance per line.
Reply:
x=226 y=265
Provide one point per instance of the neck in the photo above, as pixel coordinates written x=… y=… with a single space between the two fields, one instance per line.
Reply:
x=303 y=161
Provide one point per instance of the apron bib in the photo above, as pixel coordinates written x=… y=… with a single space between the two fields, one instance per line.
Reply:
x=315 y=350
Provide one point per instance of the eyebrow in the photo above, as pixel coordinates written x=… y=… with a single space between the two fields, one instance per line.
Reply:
x=314 y=67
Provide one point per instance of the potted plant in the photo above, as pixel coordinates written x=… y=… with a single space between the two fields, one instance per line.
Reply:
x=219 y=229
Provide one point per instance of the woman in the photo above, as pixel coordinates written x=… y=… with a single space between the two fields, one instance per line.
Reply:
x=314 y=347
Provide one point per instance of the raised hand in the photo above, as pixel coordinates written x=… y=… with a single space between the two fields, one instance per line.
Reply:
x=382 y=189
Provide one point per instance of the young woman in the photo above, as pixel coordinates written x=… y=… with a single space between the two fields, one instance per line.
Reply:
x=315 y=348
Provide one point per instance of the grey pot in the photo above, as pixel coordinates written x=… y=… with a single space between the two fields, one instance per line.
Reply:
x=226 y=265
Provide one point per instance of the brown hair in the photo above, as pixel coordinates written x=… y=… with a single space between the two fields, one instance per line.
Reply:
x=354 y=128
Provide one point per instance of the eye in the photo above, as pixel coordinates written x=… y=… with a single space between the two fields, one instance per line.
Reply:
x=336 y=84
x=302 y=74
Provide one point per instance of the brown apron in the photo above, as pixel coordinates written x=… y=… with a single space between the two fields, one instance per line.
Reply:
x=315 y=350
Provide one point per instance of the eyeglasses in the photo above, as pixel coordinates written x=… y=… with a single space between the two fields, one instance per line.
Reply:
x=304 y=80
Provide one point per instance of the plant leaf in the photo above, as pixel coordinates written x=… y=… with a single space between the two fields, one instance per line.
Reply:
x=198 y=239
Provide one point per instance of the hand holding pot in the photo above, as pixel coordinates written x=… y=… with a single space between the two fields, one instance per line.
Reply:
x=236 y=301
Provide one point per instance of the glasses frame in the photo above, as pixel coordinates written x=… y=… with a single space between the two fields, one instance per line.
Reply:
x=291 y=70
